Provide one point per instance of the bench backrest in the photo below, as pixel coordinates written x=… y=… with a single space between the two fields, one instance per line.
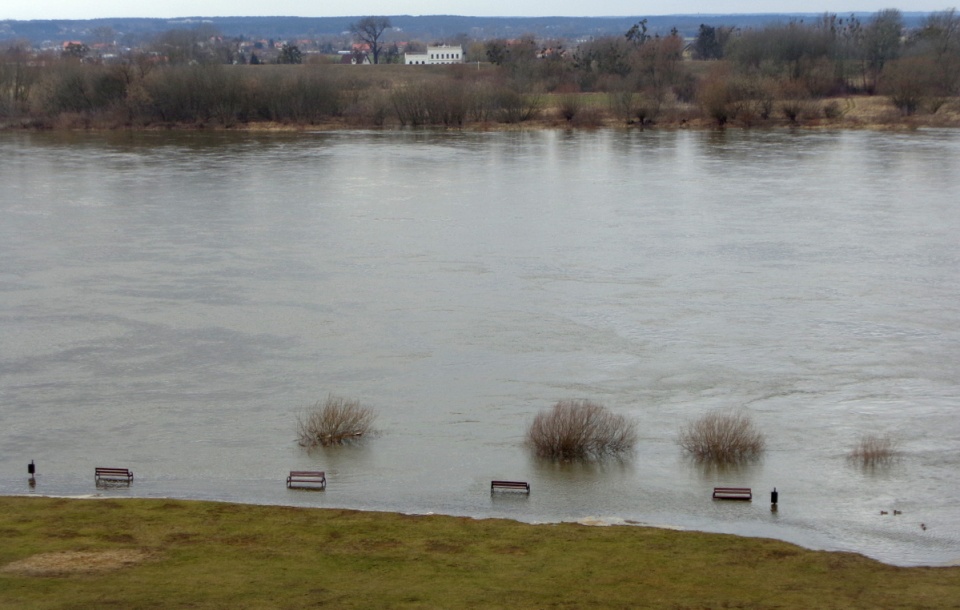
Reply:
x=733 y=492
x=112 y=474
x=512 y=484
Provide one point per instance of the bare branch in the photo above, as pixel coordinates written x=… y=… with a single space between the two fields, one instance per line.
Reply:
x=370 y=30
x=723 y=436
x=580 y=429
x=874 y=450
x=334 y=422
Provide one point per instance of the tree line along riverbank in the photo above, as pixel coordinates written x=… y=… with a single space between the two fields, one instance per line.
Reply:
x=297 y=97
x=61 y=552
x=829 y=71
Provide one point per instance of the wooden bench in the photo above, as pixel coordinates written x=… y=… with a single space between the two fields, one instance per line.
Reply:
x=307 y=479
x=104 y=476
x=514 y=485
x=732 y=493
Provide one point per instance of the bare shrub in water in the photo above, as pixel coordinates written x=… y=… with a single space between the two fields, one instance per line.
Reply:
x=874 y=450
x=333 y=422
x=723 y=436
x=580 y=429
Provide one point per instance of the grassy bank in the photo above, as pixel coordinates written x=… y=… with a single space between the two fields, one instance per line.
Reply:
x=60 y=553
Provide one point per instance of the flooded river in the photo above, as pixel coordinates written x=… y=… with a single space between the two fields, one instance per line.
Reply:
x=169 y=302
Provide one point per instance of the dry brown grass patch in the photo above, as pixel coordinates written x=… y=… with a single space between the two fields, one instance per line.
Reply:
x=75 y=562
x=874 y=450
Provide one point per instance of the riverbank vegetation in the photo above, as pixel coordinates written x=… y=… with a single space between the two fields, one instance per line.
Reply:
x=580 y=430
x=134 y=553
x=839 y=71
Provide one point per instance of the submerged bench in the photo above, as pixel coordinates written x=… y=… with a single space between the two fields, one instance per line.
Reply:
x=104 y=476
x=732 y=493
x=516 y=485
x=307 y=479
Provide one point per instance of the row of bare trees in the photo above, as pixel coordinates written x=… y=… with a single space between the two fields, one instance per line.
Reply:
x=846 y=53
x=832 y=56
x=130 y=95
x=748 y=71
x=760 y=73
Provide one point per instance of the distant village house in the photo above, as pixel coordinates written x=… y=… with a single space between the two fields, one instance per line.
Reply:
x=442 y=54
x=354 y=58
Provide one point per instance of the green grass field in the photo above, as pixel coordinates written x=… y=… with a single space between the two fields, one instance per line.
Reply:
x=103 y=553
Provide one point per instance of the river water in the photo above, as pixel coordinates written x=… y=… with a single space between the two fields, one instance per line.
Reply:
x=169 y=302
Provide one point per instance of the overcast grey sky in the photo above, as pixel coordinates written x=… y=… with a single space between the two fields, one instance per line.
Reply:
x=79 y=9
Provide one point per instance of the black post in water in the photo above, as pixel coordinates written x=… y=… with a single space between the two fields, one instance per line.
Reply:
x=31 y=469
x=774 y=496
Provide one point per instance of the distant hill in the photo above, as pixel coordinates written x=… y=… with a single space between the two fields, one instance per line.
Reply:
x=426 y=28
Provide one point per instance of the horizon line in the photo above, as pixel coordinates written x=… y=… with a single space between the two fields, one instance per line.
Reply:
x=704 y=14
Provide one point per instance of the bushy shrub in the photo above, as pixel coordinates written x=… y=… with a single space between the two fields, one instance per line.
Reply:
x=832 y=110
x=633 y=107
x=717 y=96
x=569 y=105
x=448 y=104
x=588 y=116
x=793 y=109
x=513 y=106
x=622 y=101
x=410 y=105
x=65 y=88
x=334 y=422
x=444 y=103
x=723 y=436
x=579 y=430
x=181 y=93
x=908 y=82
x=874 y=450
x=306 y=98
x=794 y=104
